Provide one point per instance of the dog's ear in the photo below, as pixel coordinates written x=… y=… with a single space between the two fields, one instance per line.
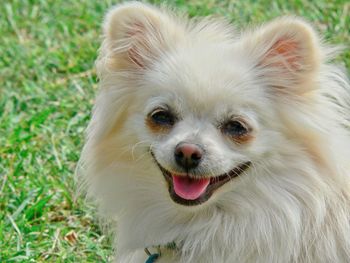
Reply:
x=136 y=34
x=286 y=54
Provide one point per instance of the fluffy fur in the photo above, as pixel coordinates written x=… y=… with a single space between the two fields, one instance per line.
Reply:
x=291 y=205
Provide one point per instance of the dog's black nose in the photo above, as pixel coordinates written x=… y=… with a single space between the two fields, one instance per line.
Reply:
x=188 y=155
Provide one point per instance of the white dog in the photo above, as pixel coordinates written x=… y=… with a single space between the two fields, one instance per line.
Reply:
x=210 y=145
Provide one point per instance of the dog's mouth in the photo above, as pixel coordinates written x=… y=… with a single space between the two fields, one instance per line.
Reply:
x=189 y=190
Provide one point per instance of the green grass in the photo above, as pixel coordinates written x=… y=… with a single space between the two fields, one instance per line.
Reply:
x=47 y=87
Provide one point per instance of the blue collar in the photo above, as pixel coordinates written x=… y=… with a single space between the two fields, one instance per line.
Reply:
x=152 y=258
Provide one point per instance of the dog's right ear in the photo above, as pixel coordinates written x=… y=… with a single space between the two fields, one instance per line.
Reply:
x=136 y=34
x=288 y=53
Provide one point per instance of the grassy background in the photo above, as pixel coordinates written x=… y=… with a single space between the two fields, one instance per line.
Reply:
x=47 y=86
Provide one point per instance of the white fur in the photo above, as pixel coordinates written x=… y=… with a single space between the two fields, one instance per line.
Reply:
x=292 y=205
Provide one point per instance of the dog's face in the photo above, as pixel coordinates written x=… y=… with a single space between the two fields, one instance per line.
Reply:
x=201 y=102
x=203 y=126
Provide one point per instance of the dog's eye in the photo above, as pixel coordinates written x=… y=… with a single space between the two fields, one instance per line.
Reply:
x=235 y=128
x=162 y=117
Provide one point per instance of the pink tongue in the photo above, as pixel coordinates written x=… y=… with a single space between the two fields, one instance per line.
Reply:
x=188 y=188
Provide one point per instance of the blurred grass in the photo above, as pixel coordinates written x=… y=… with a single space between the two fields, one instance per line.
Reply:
x=47 y=86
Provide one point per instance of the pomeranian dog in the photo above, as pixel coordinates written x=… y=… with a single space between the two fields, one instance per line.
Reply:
x=208 y=144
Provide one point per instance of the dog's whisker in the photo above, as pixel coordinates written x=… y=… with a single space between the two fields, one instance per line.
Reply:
x=136 y=145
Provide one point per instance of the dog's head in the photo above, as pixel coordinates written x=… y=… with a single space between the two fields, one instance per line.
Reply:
x=197 y=109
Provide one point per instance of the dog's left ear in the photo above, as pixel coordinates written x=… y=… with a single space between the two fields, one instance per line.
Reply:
x=286 y=54
x=136 y=34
